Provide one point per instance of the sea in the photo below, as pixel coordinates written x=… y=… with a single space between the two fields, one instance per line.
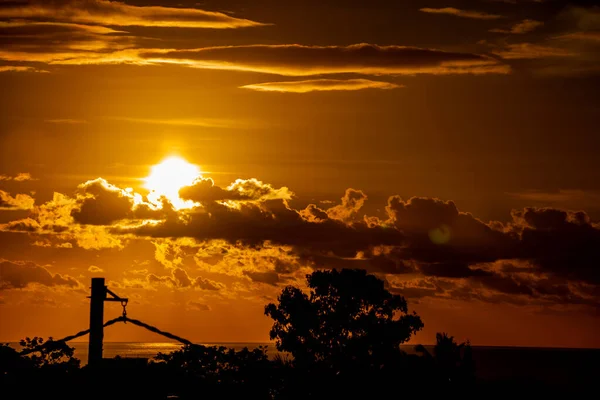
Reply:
x=557 y=365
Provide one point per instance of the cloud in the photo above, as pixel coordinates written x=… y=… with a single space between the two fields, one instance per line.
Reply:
x=201 y=122
x=250 y=231
x=461 y=13
x=285 y=59
x=253 y=223
x=197 y=306
x=94 y=269
x=20 y=274
x=20 y=177
x=564 y=243
x=269 y=277
x=564 y=198
x=50 y=243
x=518 y=51
x=352 y=202
x=588 y=36
x=47 y=42
x=114 y=13
x=54 y=219
x=301 y=60
x=320 y=85
x=206 y=284
x=67 y=121
x=20 y=68
x=180 y=279
x=23 y=176
x=525 y=26
x=19 y=202
x=102 y=203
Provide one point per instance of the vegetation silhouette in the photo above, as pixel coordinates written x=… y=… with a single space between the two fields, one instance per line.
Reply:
x=348 y=329
x=341 y=339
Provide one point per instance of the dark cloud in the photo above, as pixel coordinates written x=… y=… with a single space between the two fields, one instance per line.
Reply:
x=204 y=190
x=18 y=275
x=301 y=60
x=439 y=233
x=269 y=277
x=312 y=213
x=206 y=284
x=198 y=306
x=102 y=203
x=270 y=220
x=451 y=270
x=565 y=243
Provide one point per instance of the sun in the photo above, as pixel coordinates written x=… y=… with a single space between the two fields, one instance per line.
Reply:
x=168 y=177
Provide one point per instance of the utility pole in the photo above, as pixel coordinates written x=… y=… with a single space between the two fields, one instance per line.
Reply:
x=96 y=321
x=98 y=297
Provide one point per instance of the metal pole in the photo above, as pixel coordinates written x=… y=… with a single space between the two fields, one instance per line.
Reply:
x=96 y=321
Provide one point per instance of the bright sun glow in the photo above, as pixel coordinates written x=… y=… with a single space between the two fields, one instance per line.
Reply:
x=168 y=177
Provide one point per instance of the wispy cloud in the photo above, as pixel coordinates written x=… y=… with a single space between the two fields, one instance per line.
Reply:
x=36 y=41
x=67 y=121
x=321 y=85
x=589 y=36
x=569 y=198
x=20 y=68
x=33 y=28
x=301 y=60
x=199 y=122
x=114 y=13
x=526 y=51
x=525 y=26
x=20 y=177
x=461 y=13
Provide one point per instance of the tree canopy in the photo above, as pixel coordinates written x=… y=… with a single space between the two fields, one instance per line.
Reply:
x=347 y=318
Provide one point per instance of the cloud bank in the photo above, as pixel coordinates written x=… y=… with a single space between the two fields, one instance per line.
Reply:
x=425 y=247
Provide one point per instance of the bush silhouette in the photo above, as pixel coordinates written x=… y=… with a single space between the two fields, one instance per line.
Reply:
x=452 y=362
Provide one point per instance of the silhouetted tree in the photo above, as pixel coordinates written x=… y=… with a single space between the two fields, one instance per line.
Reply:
x=347 y=320
x=453 y=362
x=204 y=370
x=50 y=353
x=11 y=360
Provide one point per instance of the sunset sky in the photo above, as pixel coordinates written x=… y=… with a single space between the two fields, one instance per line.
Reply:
x=449 y=147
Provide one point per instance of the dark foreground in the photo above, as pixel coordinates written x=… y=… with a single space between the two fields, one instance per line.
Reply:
x=199 y=372
x=344 y=339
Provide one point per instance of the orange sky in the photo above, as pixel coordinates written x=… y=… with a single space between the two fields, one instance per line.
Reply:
x=450 y=147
